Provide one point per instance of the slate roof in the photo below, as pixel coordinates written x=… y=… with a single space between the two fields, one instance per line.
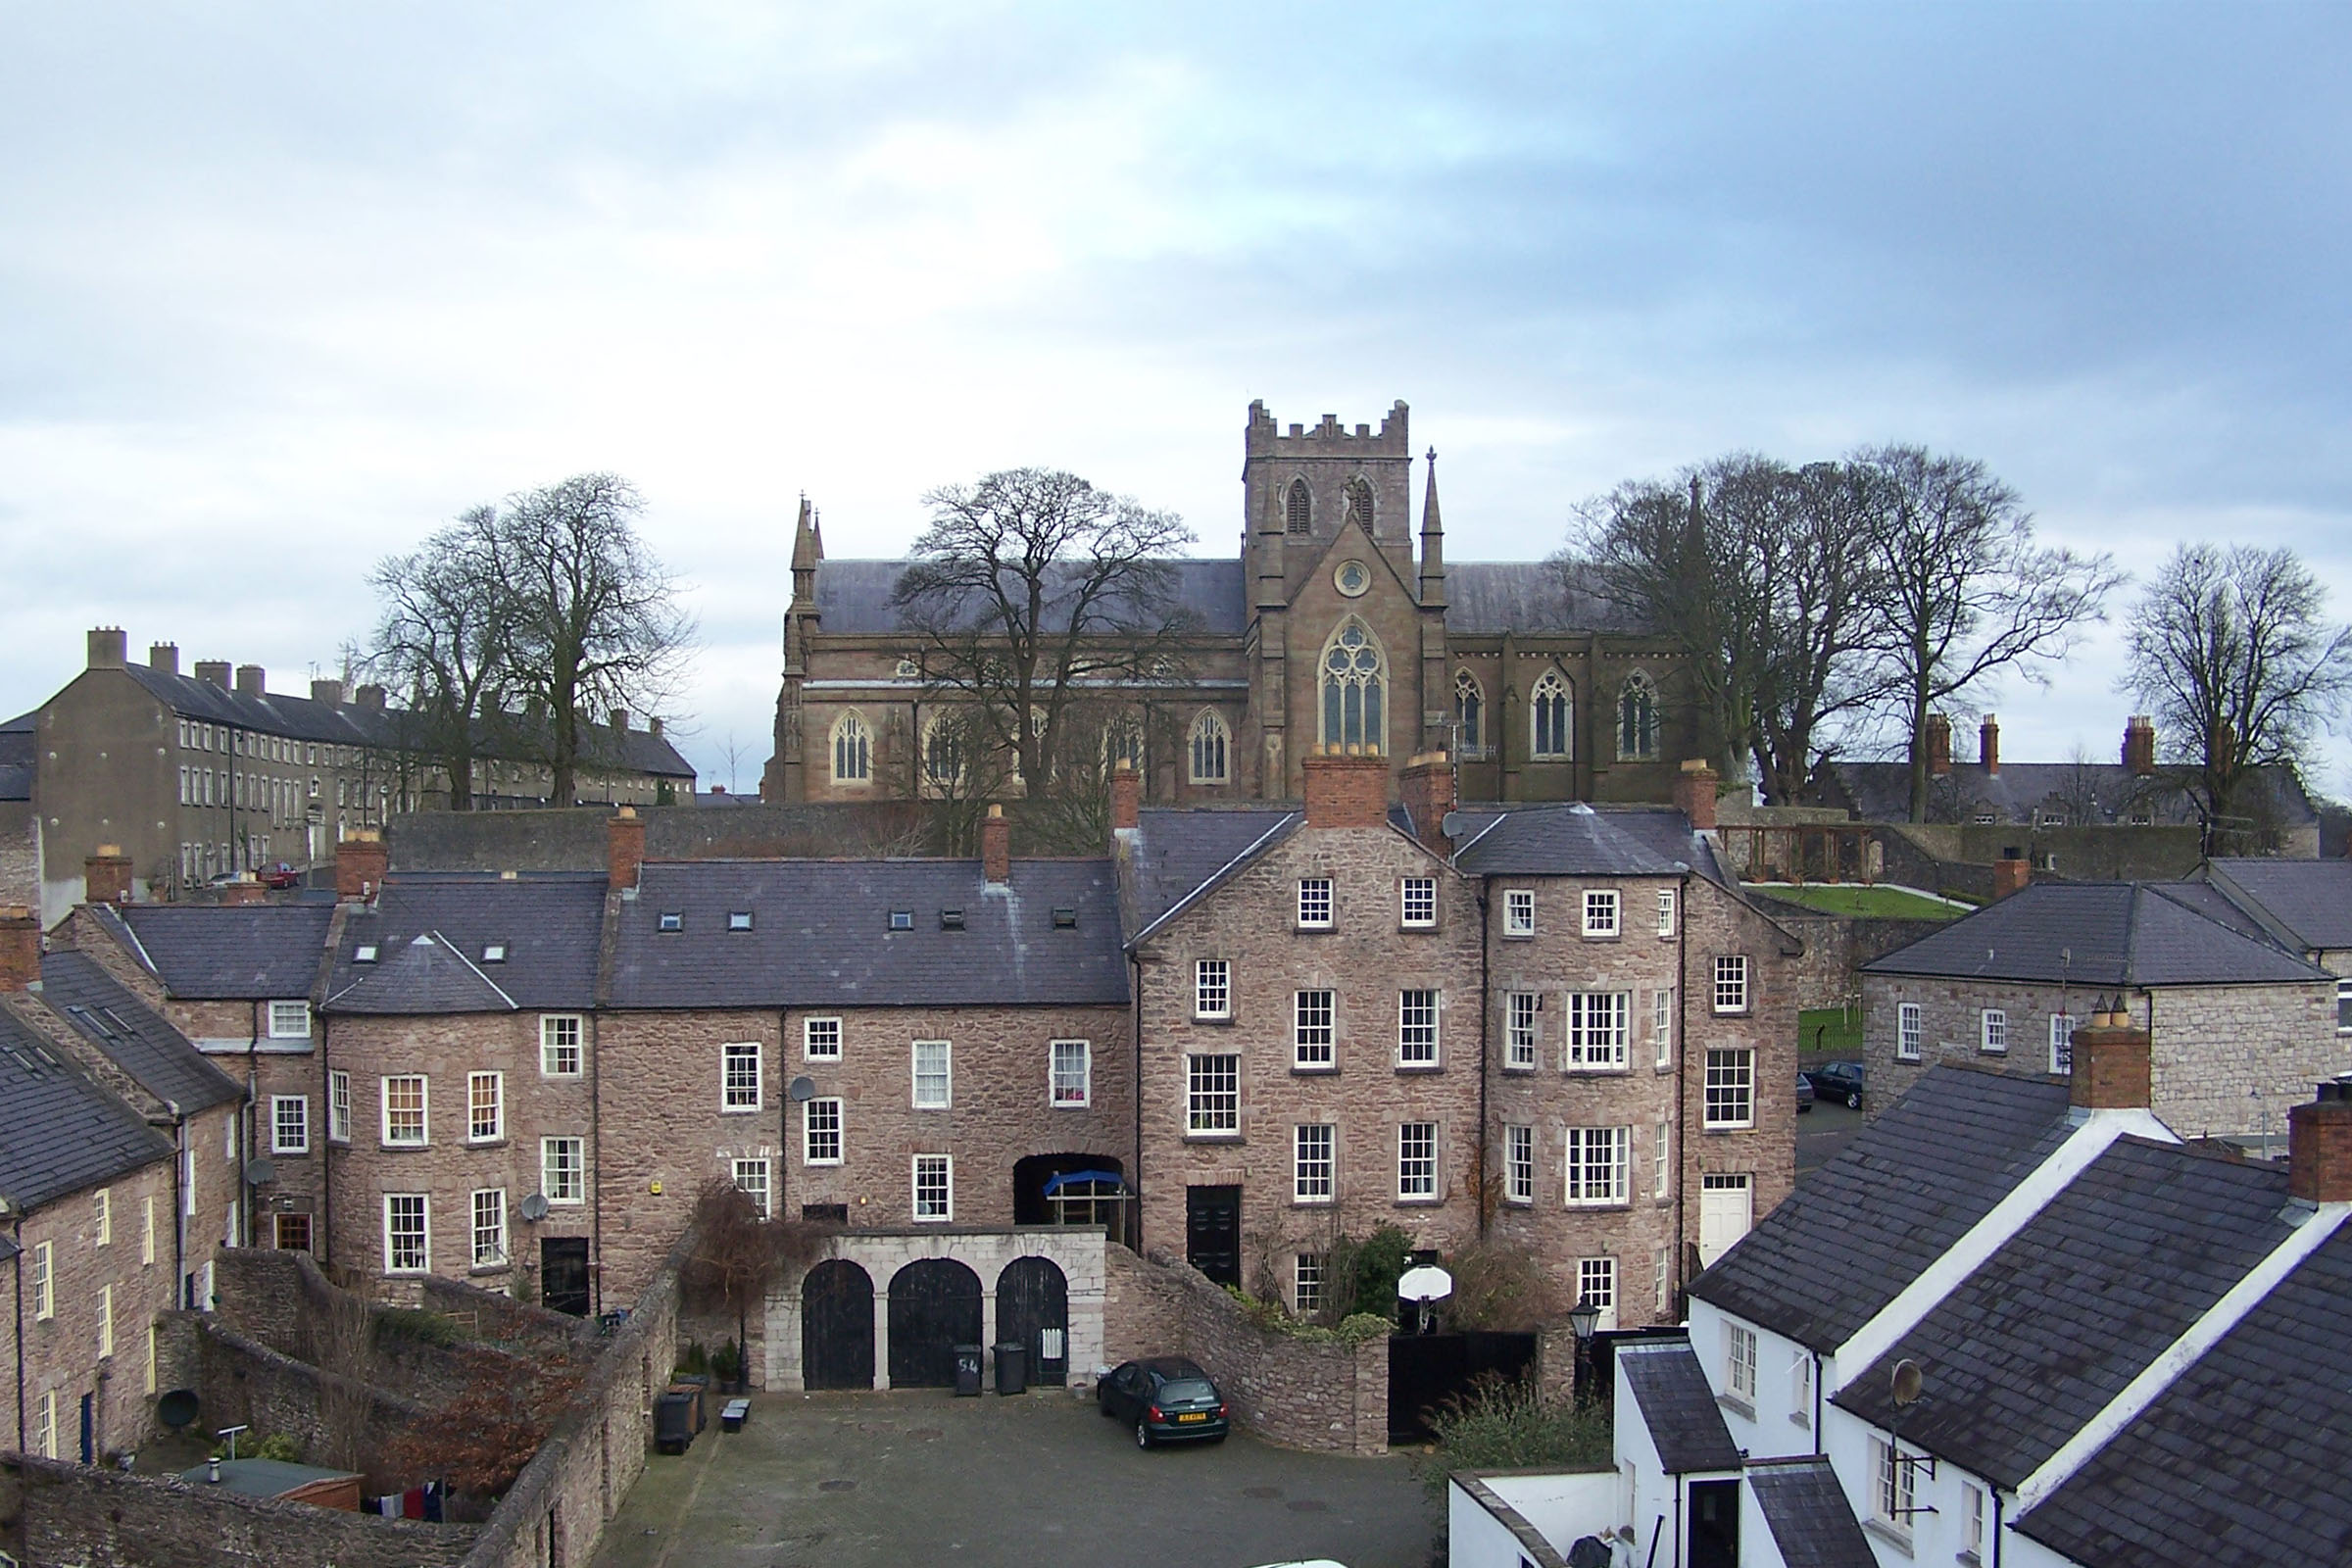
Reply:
x=2242 y=1462
x=1574 y=839
x=217 y=952
x=61 y=1132
x=1525 y=596
x=2307 y=901
x=2091 y=934
x=1881 y=792
x=135 y=1037
x=1811 y=1521
x=349 y=724
x=1177 y=851
x=1860 y=1229
x=1685 y=1424
x=2050 y=1328
x=551 y=925
x=420 y=973
x=820 y=935
x=15 y=781
x=852 y=596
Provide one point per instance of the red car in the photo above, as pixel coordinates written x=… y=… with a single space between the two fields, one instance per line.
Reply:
x=281 y=876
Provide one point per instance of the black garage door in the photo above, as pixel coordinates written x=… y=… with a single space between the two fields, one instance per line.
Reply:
x=934 y=1307
x=837 y=1327
x=1033 y=1309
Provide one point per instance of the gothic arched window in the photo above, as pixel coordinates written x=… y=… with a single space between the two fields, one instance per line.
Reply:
x=852 y=751
x=1469 y=713
x=942 y=752
x=1298 y=514
x=1550 y=717
x=1636 y=717
x=1359 y=501
x=1123 y=741
x=1209 y=745
x=1354 y=685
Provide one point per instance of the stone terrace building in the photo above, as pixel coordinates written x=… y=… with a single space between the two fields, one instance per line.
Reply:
x=2303 y=906
x=2241 y=1026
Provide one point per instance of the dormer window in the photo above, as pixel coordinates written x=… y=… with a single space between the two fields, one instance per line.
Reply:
x=494 y=953
x=1066 y=917
x=671 y=921
x=739 y=919
x=951 y=919
x=902 y=920
x=364 y=952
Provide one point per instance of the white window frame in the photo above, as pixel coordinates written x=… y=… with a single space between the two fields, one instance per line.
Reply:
x=820 y=1039
x=395 y=1254
x=1306 y=1283
x=1893 y=1487
x=813 y=1114
x=1318 y=905
x=1522 y=1030
x=279 y=1142
x=1666 y=911
x=1972 y=1522
x=425 y=1109
x=2343 y=1007
x=495 y=1255
x=943 y=1167
x=761 y=1185
x=1416 y=1161
x=1518 y=911
x=938 y=1083
x=1418 y=903
x=1212 y=1095
x=1597 y=1283
x=559 y=1057
x=1992 y=1032
x=338 y=1107
x=1067 y=1089
x=1599 y=1022
x=1417 y=1041
x=740 y=1094
x=1740 y=1363
x=1661 y=1160
x=147 y=1231
x=1730 y=983
x=44 y=1280
x=290 y=1019
x=1910 y=1029
x=1661 y=1282
x=1316 y=1030
x=553 y=1170
x=2062 y=1044
x=1596 y=1175
x=1212 y=988
x=1800 y=1387
x=475 y=1081
x=1518 y=1165
x=1603 y=914
x=44 y=1425
x=1314 y=1163
x=102 y=1212
x=1729 y=1100
x=1661 y=1026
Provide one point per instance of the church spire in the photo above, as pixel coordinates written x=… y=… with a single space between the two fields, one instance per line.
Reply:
x=808 y=549
x=1433 y=540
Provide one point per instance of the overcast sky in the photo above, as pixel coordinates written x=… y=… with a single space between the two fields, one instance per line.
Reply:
x=283 y=288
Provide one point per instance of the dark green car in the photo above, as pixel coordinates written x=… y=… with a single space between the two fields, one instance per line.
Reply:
x=1165 y=1399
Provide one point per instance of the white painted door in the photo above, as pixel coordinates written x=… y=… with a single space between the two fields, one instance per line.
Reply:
x=1726 y=1210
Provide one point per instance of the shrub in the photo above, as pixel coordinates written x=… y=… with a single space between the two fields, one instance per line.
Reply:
x=1499 y=1286
x=726 y=1361
x=1361 y=1276
x=417 y=1324
x=1506 y=1424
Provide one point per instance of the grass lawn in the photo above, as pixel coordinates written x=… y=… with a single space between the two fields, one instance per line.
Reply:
x=1829 y=1033
x=1853 y=898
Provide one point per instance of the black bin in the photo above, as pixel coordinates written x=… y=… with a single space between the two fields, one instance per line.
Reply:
x=673 y=1421
x=1012 y=1367
x=968 y=1371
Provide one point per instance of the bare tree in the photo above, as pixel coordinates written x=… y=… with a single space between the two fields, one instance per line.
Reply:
x=2233 y=653
x=738 y=1252
x=441 y=641
x=1818 y=583
x=1028 y=587
x=593 y=622
x=1962 y=591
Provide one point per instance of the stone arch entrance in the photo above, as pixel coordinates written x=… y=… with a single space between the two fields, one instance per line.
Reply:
x=1033 y=1310
x=837 y=1327
x=934 y=1307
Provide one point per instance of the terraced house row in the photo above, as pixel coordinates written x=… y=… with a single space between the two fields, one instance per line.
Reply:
x=1235 y=1036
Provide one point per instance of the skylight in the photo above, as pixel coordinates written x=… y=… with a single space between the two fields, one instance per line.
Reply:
x=902 y=920
x=364 y=952
x=739 y=919
x=494 y=953
x=673 y=920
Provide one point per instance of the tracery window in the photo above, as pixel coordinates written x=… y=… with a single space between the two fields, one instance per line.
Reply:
x=1638 y=718
x=1354 y=684
x=1550 y=717
x=1209 y=744
x=1123 y=741
x=943 y=753
x=1359 y=501
x=852 y=751
x=1469 y=713
x=1297 y=509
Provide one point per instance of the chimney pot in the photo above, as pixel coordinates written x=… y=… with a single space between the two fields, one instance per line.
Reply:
x=996 y=846
x=1347 y=789
x=2319 y=1147
x=1694 y=794
x=19 y=948
x=252 y=680
x=163 y=657
x=361 y=861
x=107 y=648
x=1938 y=746
x=213 y=670
x=2139 y=746
x=106 y=876
x=1988 y=744
x=2111 y=1065
x=1126 y=797
x=624 y=847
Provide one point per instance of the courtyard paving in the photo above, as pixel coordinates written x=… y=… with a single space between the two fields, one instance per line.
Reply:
x=1038 y=1481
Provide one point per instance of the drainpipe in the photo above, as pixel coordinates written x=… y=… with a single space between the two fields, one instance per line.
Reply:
x=1682 y=1089
x=323 y=1229
x=17 y=1267
x=1134 y=1028
x=241 y=1120
x=1996 y=1525
x=596 y=1147
x=182 y=1159
x=1485 y=1004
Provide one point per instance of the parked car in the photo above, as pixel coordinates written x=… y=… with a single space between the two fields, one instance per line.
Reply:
x=1165 y=1399
x=1805 y=1093
x=281 y=876
x=1837 y=1081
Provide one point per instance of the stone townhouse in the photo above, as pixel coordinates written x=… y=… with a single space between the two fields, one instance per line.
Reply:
x=2241 y=1026
x=87 y=1194
x=2303 y=906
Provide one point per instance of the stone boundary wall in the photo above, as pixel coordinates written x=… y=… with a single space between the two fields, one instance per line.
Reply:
x=54 y=1513
x=557 y=1507
x=1326 y=1396
x=505 y=1319
x=553 y=839
x=239 y=1380
x=1837 y=945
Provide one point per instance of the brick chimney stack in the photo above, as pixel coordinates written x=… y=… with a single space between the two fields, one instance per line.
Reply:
x=1988 y=744
x=246 y=889
x=2319 y=1146
x=624 y=847
x=214 y=672
x=1347 y=789
x=106 y=876
x=107 y=647
x=1427 y=790
x=621 y=718
x=996 y=847
x=1694 y=794
x=2011 y=873
x=361 y=861
x=163 y=657
x=2139 y=746
x=1126 y=797
x=253 y=680
x=1939 y=740
x=19 y=948
x=2111 y=1071
x=329 y=692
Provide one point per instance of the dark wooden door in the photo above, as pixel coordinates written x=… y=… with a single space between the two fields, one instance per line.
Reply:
x=837 y=1327
x=1714 y=1524
x=1212 y=1231
x=564 y=1274
x=934 y=1307
x=1033 y=1310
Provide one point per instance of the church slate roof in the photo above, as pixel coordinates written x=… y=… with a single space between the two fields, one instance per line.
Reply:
x=61 y=1132
x=1860 y=1229
x=2121 y=933
x=1685 y=1424
x=1811 y=1519
x=217 y=952
x=136 y=1038
x=1491 y=597
x=550 y=925
x=852 y=596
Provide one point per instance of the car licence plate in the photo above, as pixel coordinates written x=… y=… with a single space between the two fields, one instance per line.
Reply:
x=1197 y=1416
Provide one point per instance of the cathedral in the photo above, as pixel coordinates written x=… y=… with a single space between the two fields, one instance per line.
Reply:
x=1328 y=630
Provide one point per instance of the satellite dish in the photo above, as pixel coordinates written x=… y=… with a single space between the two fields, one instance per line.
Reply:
x=535 y=1206
x=803 y=1088
x=176 y=1408
x=260 y=1172
x=1906 y=1381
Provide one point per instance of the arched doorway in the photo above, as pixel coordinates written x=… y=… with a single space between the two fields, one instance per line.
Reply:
x=934 y=1307
x=837 y=1327
x=1033 y=1309
x=1030 y=1175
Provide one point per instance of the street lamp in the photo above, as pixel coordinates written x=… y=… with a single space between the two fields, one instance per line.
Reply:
x=1584 y=1317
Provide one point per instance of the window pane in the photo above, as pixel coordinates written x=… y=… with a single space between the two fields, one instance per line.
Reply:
x=1214 y=1093
x=1315 y=1033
